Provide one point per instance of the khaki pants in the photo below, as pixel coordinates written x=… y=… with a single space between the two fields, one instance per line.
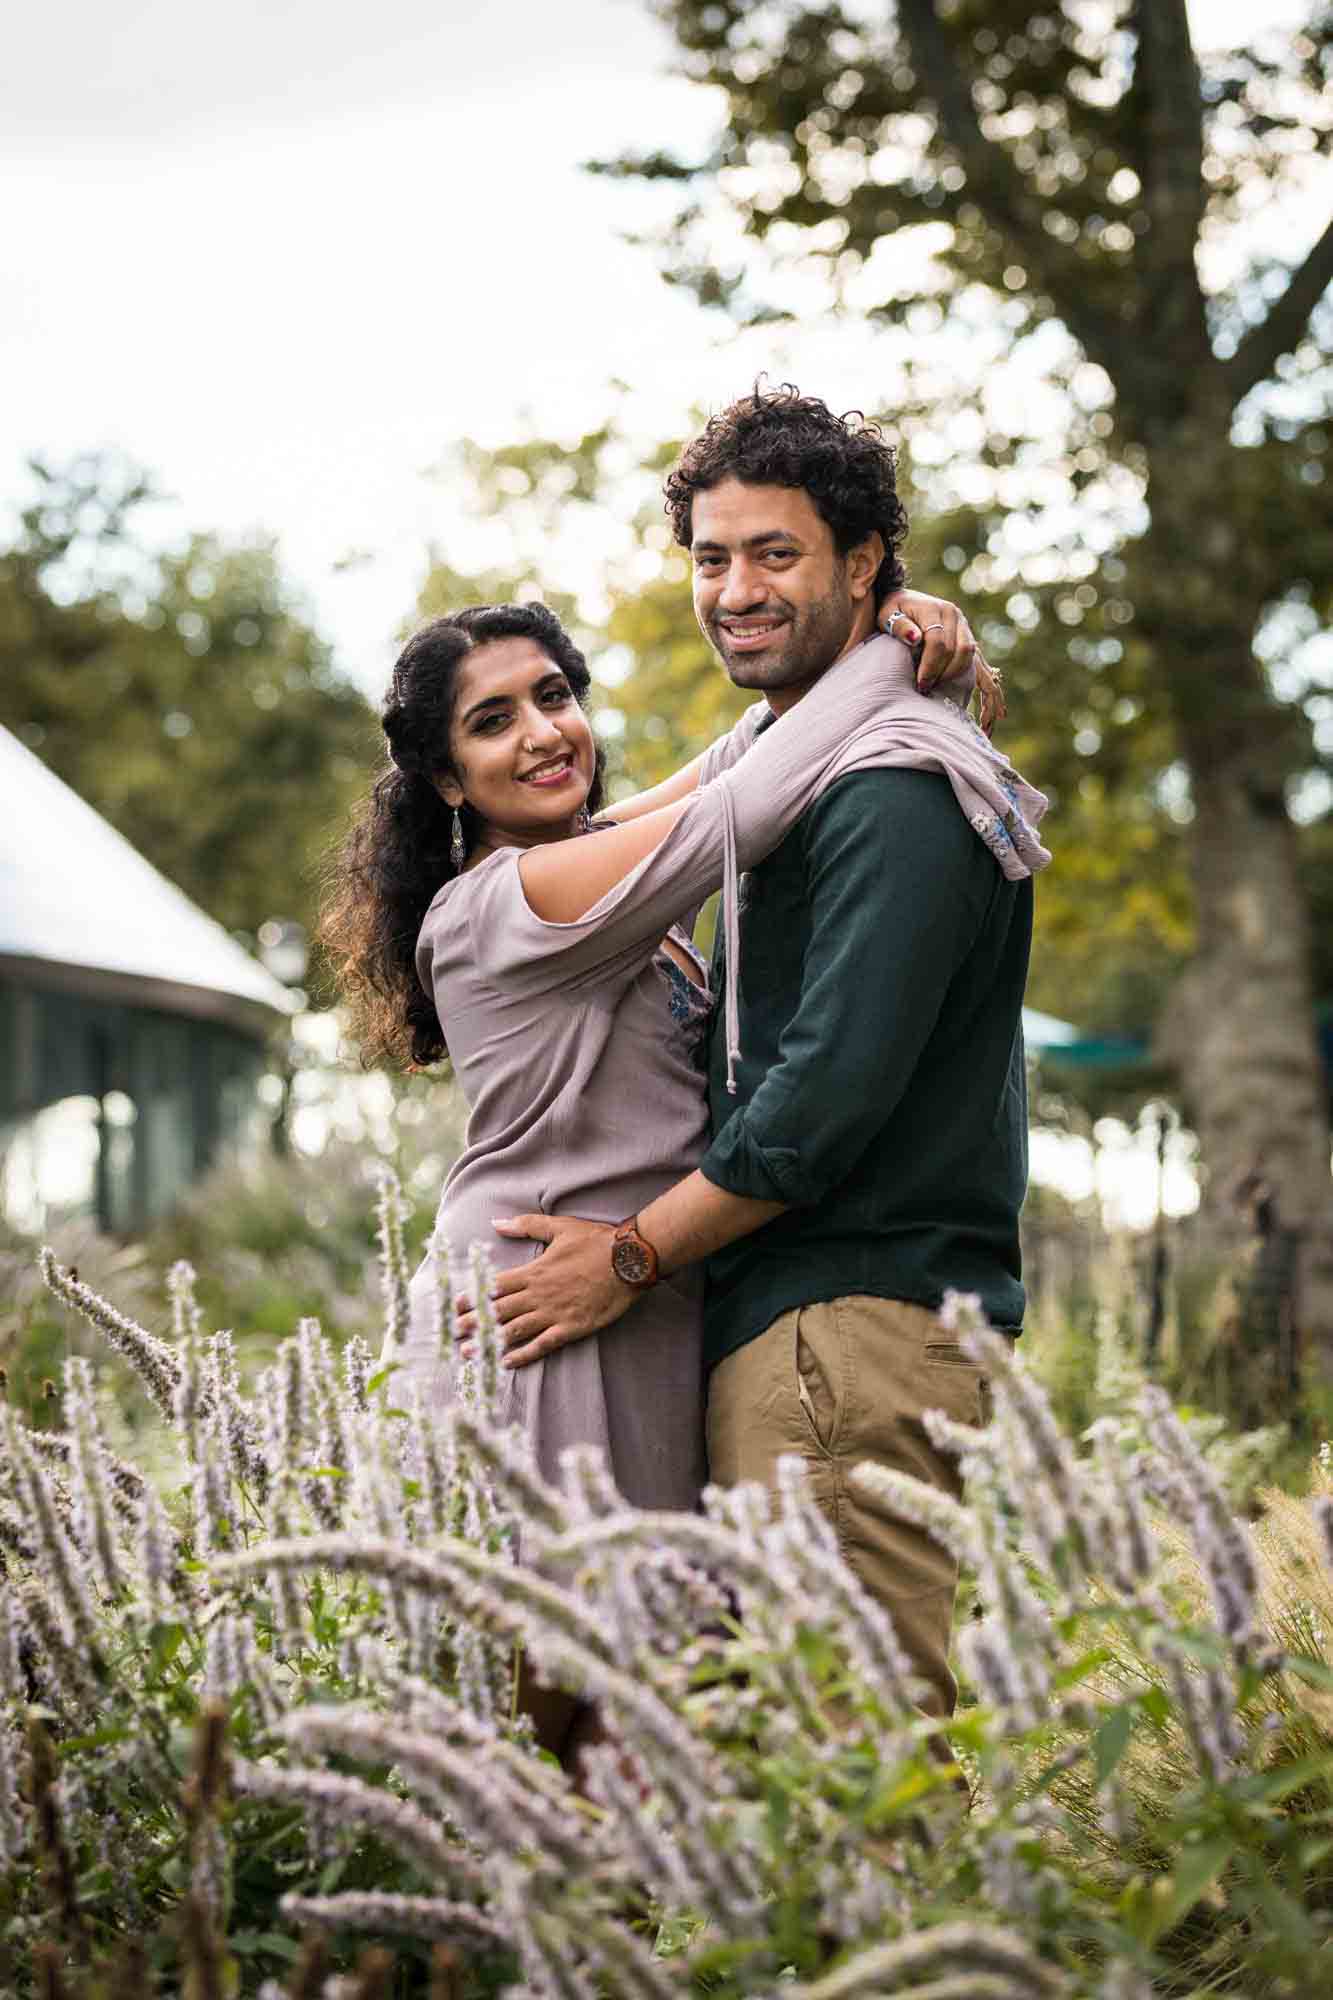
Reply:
x=840 y=1383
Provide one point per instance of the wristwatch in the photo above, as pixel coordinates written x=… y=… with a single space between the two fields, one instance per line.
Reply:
x=633 y=1258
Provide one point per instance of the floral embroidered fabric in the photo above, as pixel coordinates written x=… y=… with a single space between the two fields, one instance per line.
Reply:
x=690 y=1001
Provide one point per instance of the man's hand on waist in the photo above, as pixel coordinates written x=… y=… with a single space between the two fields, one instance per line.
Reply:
x=565 y=1294
x=571 y=1290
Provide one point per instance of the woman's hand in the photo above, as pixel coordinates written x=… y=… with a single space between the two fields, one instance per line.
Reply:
x=947 y=647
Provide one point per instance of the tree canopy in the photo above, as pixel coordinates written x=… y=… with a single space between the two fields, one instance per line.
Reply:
x=184 y=695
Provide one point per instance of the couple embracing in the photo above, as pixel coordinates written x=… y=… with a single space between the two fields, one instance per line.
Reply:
x=751 y=1182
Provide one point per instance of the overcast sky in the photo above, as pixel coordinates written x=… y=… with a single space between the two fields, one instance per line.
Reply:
x=285 y=253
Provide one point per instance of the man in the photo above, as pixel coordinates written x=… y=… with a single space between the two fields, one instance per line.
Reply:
x=874 y=1152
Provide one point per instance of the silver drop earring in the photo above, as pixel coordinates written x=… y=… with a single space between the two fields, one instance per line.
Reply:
x=457 y=847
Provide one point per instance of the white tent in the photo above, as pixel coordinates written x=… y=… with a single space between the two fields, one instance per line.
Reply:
x=81 y=905
x=133 y=1029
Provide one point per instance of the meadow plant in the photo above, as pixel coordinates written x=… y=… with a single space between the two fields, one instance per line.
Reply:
x=284 y=1699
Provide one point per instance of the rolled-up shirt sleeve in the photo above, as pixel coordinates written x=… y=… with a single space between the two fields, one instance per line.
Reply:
x=898 y=888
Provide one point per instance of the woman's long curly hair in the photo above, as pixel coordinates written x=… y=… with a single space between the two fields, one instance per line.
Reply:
x=395 y=858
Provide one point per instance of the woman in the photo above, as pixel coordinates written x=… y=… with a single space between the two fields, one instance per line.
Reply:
x=562 y=973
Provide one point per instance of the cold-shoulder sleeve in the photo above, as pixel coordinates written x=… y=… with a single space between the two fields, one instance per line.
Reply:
x=755 y=802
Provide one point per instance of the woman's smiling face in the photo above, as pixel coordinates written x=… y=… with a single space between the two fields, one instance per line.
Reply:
x=522 y=749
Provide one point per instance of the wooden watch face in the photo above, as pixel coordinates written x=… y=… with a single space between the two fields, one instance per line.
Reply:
x=631 y=1262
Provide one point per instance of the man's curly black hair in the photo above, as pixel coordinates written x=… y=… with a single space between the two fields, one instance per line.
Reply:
x=778 y=437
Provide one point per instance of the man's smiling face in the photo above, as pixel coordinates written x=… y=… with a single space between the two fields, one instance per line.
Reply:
x=771 y=592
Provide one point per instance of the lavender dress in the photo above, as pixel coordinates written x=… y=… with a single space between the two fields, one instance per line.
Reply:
x=576 y=1047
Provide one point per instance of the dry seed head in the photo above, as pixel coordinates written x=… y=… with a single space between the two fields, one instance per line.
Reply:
x=391 y=1211
x=400 y=1823
x=151 y=1358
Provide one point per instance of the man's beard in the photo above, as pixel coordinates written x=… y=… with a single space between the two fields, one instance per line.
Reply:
x=809 y=642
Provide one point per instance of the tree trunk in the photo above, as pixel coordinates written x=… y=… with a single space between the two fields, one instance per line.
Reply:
x=1240 y=1029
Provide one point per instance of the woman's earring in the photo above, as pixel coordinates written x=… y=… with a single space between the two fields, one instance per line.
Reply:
x=457 y=846
x=584 y=820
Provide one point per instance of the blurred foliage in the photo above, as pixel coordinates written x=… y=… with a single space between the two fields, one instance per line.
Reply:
x=182 y=694
x=274 y=1238
x=1059 y=167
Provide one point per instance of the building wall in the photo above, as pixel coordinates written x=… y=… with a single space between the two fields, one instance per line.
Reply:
x=112 y=1109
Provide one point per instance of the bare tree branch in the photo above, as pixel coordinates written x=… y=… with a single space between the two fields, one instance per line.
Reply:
x=999 y=191
x=1254 y=359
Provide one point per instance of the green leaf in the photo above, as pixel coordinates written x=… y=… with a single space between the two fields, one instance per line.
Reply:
x=1206 y=1647
x=1281 y=1911
x=1110 y=1742
x=914 y=1784
x=675 y=1935
x=1155 y=1705
x=1269 y=1787
x=249 y=1944
x=1161 y=1905
x=1082 y=1668
x=96 y=1739
x=331 y=1874
x=1315 y=1673
x=165 y=1641
x=381 y=1376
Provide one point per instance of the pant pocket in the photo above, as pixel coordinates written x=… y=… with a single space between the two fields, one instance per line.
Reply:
x=821 y=1374
x=954 y=1384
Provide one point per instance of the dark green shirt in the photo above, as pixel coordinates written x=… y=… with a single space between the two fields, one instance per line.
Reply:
x=881 y=1090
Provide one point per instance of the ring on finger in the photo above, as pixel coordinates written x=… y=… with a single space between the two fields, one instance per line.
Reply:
x=933 y=628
